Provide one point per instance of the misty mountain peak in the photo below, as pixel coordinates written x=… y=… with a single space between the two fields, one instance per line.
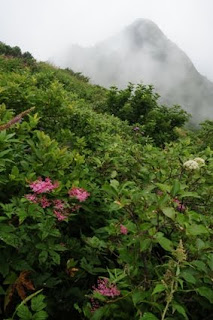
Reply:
x=142 y=32
x=142 y=53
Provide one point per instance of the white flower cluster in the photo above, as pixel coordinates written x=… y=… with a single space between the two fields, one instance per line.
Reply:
x=194 y=164
x=200 y=161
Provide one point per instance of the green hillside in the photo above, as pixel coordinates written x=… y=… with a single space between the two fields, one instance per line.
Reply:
x=105 y=200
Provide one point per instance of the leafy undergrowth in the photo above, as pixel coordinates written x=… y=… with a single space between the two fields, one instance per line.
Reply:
x=100 y=218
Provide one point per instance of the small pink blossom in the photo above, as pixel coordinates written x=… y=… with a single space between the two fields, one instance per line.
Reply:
x=106 y=289
x=58 y=204
x=44 y=202
x=75 y=208
x=31 y=197
x=43 y=186
x=79 y=193
x=180 y=206
x=59 y=215
x=123 y=229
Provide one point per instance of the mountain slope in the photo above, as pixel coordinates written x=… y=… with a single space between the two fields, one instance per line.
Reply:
x=141 y=52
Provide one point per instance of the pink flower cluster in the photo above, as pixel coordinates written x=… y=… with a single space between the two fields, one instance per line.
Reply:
x=59 y=215
x=180 y=206
x=59 y=207
x=43 y=186
x=123 y=229
x=79 y=193
x=106 y=289
x=59 y=212
x=43 y=201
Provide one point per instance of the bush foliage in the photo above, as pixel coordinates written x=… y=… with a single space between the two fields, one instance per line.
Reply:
x=105 y=201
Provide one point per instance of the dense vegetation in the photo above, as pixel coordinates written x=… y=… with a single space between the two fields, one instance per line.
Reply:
x=105 y=202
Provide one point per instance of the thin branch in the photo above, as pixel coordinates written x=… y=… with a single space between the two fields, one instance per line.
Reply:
x=15 y=119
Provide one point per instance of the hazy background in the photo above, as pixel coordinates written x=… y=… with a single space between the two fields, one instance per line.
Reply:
x=47 y=27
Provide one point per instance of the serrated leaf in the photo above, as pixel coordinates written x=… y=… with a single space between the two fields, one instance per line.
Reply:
x=10 y=239
x=188 y=276
x=163 y=187
x=165 y=243
x=180 y=309
x=201 y=266
x=158 y=288
x=169 y=212
x=196 y=229
x=206 y=292
x=37 y=303
x=41 y=315
x=24 y=313
x=55 y=257
x=148 y=316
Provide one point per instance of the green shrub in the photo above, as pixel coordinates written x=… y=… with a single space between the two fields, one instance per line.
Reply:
x=96 y=222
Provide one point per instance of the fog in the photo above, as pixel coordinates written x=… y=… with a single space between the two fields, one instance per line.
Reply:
x=141 y=53
x=57 y=30
x=45 y=27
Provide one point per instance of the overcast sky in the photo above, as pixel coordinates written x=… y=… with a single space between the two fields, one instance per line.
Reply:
x=45 y=27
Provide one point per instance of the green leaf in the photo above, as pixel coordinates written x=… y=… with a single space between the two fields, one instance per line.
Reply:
x=210 y=261
x=145 y=244
x=15 y=171
x=189 y=194
x=165 y=243
x=115 y=184
x=37 y=303
x=43 y=256
x=180 y=309
x=24 y=313
x=148 y=316
x=201 y=266
x=41 y=315
x=196 y=229
x=10 y=239
x=163 y=187
x=55 y=257
x=188 y=276
x=99 y=313
x=175 y=188
x=158 y=288
x=206 y=292
x=169 y=212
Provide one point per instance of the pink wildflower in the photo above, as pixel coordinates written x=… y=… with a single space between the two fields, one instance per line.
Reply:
x=180 y=206
x=79 y=193
x=59 y=215
x=31 y=197
x=58 y=204
x=123 y=229
x=95 y=304
x=44 y=202
x=106 y=289
x=40 y=186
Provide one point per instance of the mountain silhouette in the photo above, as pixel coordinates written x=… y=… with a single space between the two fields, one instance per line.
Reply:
x=141 y=53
